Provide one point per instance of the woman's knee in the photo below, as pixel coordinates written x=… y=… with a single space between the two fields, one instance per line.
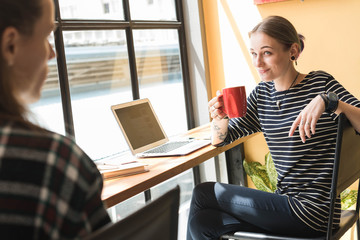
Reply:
x=203 y=225
x=203 y=189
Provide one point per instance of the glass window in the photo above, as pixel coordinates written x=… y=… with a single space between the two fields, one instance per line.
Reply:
x=99 y=76
x=160 y=78
x=127 y=207
x=153 y=10
x=186 y=184
x=133 y=204
x=91 y=9
x=48 y=110
x=184 y=180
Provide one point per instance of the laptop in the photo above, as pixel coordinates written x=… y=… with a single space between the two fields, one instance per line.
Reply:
x=146 y=136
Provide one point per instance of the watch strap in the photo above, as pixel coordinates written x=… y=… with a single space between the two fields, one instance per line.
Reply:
x=326 y=100
x=333 y=102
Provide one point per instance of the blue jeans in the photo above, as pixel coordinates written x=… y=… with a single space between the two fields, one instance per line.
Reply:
x=218 y=208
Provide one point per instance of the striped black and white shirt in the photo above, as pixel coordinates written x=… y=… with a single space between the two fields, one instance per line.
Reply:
x=304 y=169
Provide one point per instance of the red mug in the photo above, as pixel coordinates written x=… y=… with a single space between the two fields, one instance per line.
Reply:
x=234 y=101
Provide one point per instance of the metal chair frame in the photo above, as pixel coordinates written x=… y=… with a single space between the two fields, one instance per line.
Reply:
x=346 y=171
x=156 y=220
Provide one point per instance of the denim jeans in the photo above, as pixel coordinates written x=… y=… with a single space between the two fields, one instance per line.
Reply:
x=218 y=208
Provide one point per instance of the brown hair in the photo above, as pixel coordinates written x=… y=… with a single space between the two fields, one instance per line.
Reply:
x=282 y=30
x=21 y=14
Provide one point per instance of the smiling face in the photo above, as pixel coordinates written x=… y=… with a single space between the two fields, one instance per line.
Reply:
x=32 y=52
x=271 y=59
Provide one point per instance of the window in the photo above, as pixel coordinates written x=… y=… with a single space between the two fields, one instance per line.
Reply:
x=111 y=52
x=153 y=10
x=91 y=9
x=98 y=76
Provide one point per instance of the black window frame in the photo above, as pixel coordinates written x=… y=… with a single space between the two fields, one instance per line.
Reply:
x=128 y=25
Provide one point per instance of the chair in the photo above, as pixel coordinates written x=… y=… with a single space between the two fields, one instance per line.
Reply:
x=156 y=220
x=346 y=171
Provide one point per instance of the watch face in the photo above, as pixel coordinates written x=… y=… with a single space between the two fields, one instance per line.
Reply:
x=332 y=96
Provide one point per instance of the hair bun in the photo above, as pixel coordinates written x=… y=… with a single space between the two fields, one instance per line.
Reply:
x=302 y=42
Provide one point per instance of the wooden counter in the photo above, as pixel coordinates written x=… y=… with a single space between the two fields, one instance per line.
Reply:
x=162 y=168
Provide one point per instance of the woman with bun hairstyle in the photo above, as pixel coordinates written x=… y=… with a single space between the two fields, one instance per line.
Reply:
x=297 y=113
x=49 y=188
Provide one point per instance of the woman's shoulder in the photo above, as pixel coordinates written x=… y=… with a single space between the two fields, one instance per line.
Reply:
x=265 y=84
x=69 y=152
x=67 y=149
x=48 y=152
x=34 y=133
x=42 y=140
x=318 y=74
x=263 y=88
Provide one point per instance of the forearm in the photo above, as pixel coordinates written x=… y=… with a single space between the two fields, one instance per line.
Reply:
x=219 y=130
x=351 y=112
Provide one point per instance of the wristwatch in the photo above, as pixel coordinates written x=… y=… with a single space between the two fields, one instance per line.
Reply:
x=331 y=101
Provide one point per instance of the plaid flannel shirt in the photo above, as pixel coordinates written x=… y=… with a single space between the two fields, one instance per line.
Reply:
x=49 y=188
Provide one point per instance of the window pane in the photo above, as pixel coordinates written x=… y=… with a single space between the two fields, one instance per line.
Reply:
x=99 y=77
x=185 y=181
x=160 y=78
x=91 y=9
x=153 y=10
x=48 y=110
x=127 y=207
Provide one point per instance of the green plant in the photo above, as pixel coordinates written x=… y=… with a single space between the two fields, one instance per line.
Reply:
x=348 y=198
x=264 y=178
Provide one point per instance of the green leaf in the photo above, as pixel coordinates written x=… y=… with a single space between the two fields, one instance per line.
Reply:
x=261 y=168
x=271 y=171
x=250 y=168
x=260 y=184
x=258 y=175
x=345 y=193
x=348 y=198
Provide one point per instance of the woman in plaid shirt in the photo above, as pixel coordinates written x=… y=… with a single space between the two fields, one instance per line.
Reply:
x=49 y=188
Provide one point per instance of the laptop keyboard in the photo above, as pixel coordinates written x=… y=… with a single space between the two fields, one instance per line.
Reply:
x=168 y=147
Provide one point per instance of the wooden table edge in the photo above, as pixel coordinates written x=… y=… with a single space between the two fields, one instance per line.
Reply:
x=186 y=162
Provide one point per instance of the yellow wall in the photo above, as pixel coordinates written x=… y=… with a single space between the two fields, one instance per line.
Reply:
x=212 y=41
x=331 y=29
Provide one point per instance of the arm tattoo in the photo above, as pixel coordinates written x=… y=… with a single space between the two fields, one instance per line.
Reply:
x=220 y=135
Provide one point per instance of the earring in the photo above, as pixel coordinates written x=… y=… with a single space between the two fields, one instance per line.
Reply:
x=293 y=58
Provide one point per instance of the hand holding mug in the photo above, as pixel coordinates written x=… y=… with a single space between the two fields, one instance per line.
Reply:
x=216 y=105
x=231 y=103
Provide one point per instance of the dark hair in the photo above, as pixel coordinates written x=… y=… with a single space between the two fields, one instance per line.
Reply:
x=21 y=14
x=282 y=30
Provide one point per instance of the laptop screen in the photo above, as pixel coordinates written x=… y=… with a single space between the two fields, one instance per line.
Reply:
x=139 y=124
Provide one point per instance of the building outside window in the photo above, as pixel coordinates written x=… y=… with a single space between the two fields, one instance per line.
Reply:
x=106 y=8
